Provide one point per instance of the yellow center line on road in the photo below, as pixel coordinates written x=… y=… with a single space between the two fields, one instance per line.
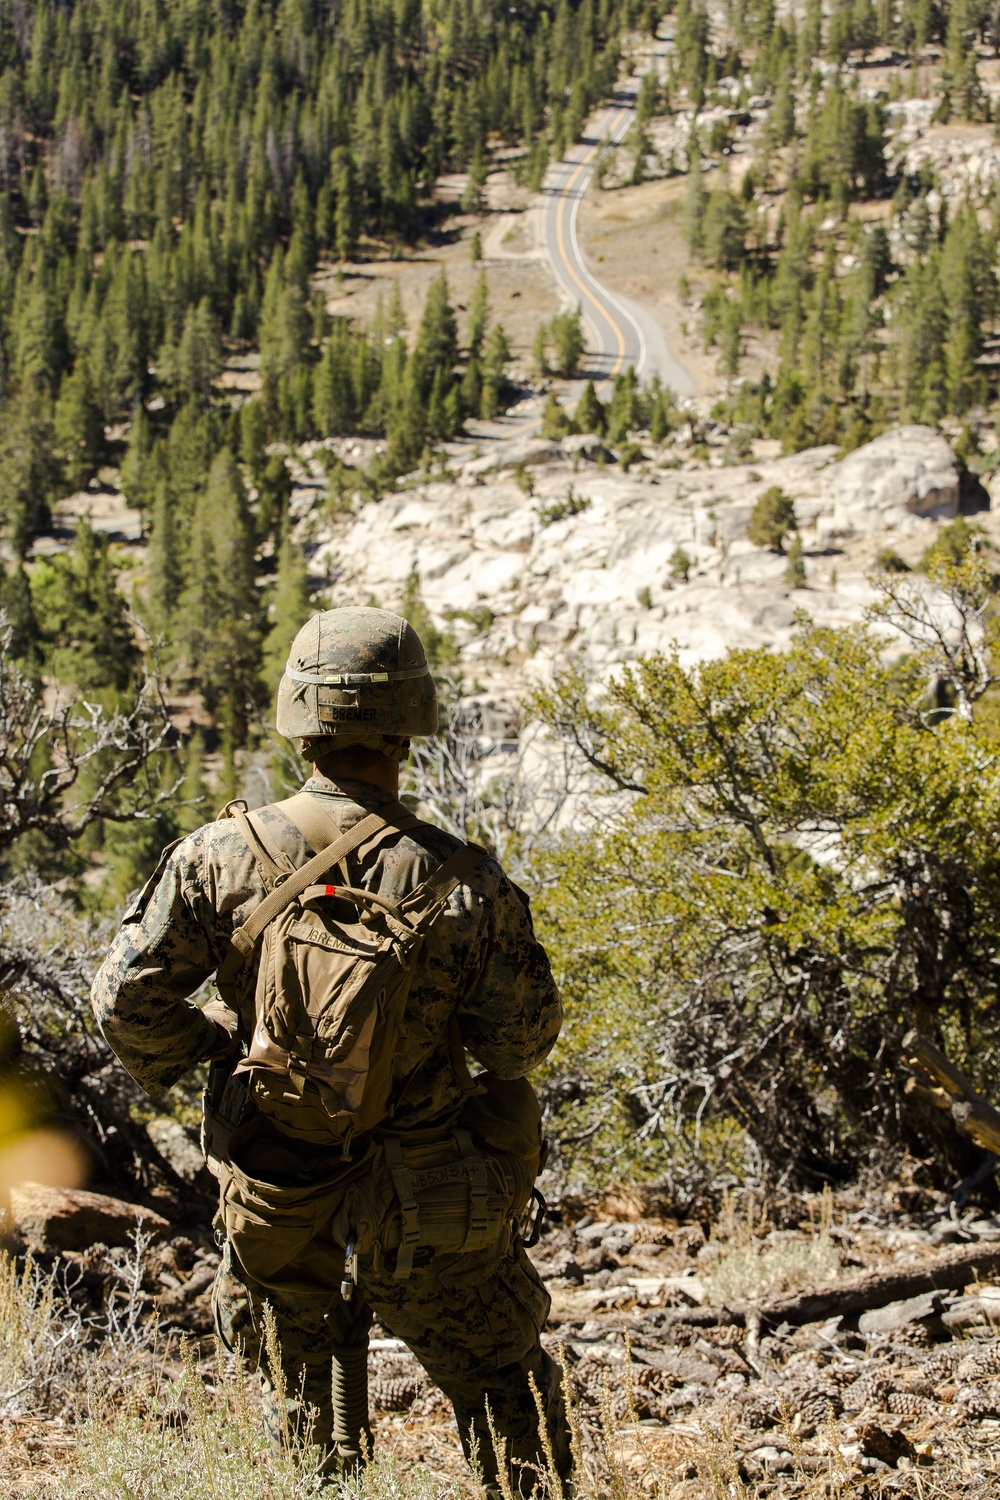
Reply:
x=565 y=207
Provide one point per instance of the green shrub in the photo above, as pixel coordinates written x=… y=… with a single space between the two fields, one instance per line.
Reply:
x=802 y=849
x=680 y=565
x=771 y=519
x=573 y=505
x=888 y=560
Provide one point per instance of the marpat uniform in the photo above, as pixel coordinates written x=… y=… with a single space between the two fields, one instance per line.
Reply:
x=480 y=981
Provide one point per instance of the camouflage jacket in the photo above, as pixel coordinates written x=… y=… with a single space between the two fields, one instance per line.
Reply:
x=480 y=961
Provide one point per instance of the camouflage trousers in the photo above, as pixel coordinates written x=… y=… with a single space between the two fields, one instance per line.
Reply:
x=472 y=1320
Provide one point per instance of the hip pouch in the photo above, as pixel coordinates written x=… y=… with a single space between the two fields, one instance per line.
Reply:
x=224 y=1109
x=444 y=1196
x=271 y=1219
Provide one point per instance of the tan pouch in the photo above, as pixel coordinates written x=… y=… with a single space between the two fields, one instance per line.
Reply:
x=443 y=1195
x=270 y=1223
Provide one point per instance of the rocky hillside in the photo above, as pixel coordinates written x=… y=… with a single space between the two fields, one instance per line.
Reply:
x=539 y=549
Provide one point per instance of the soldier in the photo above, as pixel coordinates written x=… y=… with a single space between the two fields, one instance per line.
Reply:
x=356 y=688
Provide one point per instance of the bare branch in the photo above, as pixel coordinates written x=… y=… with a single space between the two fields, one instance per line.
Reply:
x=64 y=761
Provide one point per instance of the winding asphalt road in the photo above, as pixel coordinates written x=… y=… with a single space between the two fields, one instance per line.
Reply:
x=622 y=333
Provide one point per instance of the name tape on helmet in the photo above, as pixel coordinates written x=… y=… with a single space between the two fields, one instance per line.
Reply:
x=355 y=679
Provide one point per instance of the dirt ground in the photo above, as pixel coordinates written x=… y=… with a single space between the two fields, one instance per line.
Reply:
x=673 y=1379
x=522 y=291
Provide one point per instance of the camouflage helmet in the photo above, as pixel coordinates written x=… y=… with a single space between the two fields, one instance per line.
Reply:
x=357 y=672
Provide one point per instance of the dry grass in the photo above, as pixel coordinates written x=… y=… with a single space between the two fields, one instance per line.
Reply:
x=114 y=1410
x=749 y=1269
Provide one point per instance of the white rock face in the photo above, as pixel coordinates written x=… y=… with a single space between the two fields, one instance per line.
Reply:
x=589 y=564
x=963 y=157
x=904 y=473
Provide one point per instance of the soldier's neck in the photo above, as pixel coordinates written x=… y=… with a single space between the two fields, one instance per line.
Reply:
x=372 y=770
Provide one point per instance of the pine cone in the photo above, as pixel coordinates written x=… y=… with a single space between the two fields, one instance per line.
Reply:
x=909 y=1404
x=870 y=1390
x=942 y=1364
x=975 y=1403
x=982 y=1363
x=395 y=1395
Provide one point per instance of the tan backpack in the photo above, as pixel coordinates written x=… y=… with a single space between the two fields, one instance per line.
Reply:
x=336 y=965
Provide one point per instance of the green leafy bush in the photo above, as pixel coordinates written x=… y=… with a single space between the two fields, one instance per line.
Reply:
x=803 y=865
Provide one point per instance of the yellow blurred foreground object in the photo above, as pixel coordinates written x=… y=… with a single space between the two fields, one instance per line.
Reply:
x=27 y=1154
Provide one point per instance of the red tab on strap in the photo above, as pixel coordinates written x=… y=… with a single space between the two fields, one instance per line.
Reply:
x=331 y=890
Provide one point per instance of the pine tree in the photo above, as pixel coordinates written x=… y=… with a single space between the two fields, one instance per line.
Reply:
x=163 y=562
x=471 y=389
x=28 y=469
x=437 y=339
x=555 y=423
x=660 y=418
x=731 y=338
x=723 y=232
x=496 y=358
x=253 y=438
x=566 y=332
x=795 y=570
x=219 y=620
x=345 y=216
x=696 y=197
x=135 y=477
x=78 y=428
x=290 y=609
x=194 y=808
x=285 y=326
x=84 y=623
x=540 y=351
x=199 y=352
x=19 y=618
x=771 y=519
x=921 y=329
x=334 y=409
x=479 y=309
x=590 y=415
x=274 y=487
x=473 y=200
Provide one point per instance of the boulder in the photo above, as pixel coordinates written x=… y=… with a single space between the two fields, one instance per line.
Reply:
x=180 y=1150
x=50 y=1218
x=586 y=445
x=530 y=452
x=910 y=471
x=596 y=572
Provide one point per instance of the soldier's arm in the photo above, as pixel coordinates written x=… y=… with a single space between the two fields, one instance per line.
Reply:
x=510 y=1012
x=170 y=941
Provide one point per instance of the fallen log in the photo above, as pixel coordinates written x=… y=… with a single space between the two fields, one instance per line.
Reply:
x=949 y=1271
x=954 y=1091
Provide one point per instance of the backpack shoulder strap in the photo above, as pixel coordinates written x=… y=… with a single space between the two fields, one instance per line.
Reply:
x=244 y=938
x=272 y=862
x=423 y=905
x=319 y=828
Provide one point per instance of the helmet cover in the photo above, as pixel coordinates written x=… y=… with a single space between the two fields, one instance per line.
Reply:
x=356 y=672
